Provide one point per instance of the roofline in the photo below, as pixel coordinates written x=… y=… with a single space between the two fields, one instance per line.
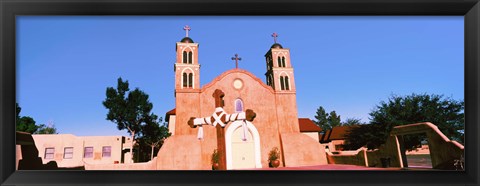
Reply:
x=221 y=76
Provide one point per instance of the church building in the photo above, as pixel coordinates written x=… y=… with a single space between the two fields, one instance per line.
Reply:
x=247 y=144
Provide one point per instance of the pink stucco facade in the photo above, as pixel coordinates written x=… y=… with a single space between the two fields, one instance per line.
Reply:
x=276 y=121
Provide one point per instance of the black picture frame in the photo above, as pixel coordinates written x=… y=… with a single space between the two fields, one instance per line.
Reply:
x=470 y=9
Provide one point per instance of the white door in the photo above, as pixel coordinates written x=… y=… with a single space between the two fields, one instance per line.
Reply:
x=243 y=152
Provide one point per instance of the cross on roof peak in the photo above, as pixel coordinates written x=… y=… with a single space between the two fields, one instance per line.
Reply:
x=186 y=28
x=275 y=35
x=236 y=58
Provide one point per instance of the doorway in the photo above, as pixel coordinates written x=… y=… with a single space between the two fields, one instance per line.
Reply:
x=242 y=146
x=417 y=155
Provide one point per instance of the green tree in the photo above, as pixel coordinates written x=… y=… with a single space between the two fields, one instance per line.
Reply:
x=446 y=113
x=154 y=134
x=334 y=120
x=25 y=123
x=128 y=109
x=326 y=121
x=44 y=129
x=321 y=118
x=352 y=122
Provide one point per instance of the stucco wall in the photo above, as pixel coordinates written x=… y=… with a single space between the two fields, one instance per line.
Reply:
x=180 y=152
x=301 y=150
x=313 y=135
x=357 y=157
x=187 y=105
x=151 y=165
x=60 y=141
x=171 y=125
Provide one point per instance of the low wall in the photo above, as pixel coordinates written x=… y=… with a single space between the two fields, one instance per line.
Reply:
x=151 y=165
x=181 y=152
x=357 y=157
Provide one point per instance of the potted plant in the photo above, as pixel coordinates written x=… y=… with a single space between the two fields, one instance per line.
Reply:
x=215 y=160
x=273 y=157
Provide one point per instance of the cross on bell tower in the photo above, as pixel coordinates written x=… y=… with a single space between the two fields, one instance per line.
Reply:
x=186 y=28
x=236 y=58
x=275 y=35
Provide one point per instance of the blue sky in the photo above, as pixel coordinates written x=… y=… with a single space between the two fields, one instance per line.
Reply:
x=343 y=63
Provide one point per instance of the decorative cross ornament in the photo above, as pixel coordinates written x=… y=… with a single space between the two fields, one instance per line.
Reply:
x=236 y=58
x=219 y=120
x=275 y=35
x=186 y=28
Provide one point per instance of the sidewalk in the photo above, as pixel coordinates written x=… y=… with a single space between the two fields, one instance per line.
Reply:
x=336 y=167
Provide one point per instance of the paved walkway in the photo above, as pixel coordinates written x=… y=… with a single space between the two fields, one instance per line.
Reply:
x=338 y=167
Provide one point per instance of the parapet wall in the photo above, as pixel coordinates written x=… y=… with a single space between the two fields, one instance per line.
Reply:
x=357 y=157
x=151 y=165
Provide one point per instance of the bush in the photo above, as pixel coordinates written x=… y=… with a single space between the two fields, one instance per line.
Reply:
x=274 y=154
x=215 y=156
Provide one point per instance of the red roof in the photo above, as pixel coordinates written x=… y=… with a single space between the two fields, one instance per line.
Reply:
x=171 y=112
x=307 y=125
x=336 y=133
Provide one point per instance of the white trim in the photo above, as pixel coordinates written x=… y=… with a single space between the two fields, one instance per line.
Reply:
x=228 y=142
x=283 y=72
x=282 y=54
x=193 y=55
x=285 y=85
x=193 y=77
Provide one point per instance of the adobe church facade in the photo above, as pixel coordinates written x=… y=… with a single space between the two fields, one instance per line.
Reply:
x=247 y=147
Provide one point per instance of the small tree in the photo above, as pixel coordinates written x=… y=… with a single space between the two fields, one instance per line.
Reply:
x=44 y=129
x=326 y=121
x=154 y=134
x=128 y=109
x=321 y=119
x=27 y=124
x=334 y=120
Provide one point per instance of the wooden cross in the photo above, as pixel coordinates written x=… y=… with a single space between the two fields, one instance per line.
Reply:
x=186 y=28
x=275 y=35
x=236 y=58
x=219 y=119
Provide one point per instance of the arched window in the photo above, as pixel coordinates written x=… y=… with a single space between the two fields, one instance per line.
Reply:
x=279 y=62
x=282 y=85
x=238 y=105
x=190 y=80
x=283 y=62
x=190 y=57
x=184 y=57
x=287 y=86
x=184 y=79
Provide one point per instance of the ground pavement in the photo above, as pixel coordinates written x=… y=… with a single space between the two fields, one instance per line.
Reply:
x=340 y=167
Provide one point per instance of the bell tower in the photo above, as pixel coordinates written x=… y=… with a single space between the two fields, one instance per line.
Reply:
x=281 y=78
x=187 y=68
x=279 y=73
x=187 y=83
